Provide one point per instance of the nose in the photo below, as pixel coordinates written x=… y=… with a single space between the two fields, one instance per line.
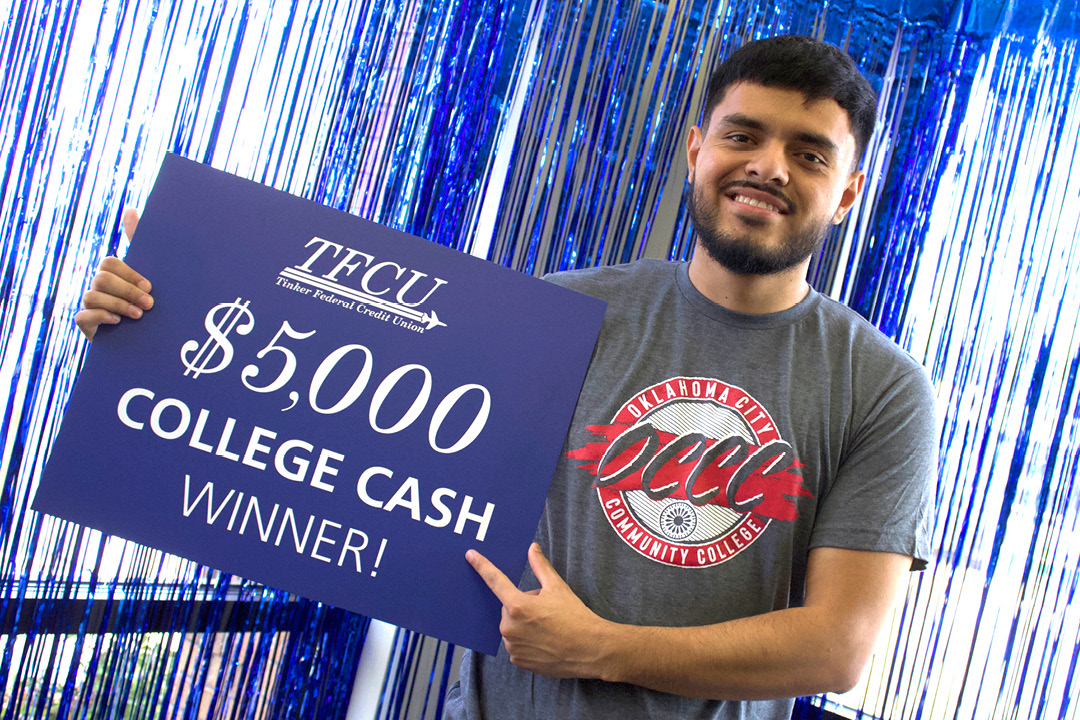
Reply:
x=768 y=164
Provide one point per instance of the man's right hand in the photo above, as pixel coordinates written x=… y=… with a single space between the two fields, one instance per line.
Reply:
x=115 y=291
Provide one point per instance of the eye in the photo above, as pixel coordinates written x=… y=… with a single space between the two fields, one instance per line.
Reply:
x=739 y=137
x=813 y=158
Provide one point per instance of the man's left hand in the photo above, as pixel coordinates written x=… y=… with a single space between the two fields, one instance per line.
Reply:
x=548 y=631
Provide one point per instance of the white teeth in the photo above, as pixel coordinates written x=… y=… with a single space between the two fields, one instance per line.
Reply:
x=756 y=203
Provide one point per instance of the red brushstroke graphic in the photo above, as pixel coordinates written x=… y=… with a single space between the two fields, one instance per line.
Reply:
x=764 y=479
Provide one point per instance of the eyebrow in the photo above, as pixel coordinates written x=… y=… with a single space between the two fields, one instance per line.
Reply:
x=746 y=121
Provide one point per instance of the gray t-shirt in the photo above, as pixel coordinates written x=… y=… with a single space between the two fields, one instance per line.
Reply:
x=709 y=453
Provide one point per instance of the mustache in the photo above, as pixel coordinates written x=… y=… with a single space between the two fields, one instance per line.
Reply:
x=789 y=206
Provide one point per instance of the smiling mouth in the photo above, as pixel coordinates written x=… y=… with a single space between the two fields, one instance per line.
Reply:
x=747 y=192
x=755 y=203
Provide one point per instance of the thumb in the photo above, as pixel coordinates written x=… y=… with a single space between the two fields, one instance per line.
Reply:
x=542 y=568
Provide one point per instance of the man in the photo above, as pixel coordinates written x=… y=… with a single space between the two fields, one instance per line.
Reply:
x=748 y=474
x=746 y=479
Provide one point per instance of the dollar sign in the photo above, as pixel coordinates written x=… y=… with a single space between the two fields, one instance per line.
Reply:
x=220 y=321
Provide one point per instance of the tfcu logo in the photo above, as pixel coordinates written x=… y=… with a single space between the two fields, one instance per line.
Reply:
x=357 y=281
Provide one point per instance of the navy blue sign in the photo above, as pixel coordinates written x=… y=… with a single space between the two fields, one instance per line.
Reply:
x=323 y=405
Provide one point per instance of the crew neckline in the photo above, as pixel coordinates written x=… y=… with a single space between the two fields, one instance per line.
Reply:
x=746 y=320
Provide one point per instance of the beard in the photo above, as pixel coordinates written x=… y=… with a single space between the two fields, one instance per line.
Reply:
x=741 y=254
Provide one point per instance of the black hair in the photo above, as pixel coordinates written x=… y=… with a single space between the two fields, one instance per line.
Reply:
x=816 y=69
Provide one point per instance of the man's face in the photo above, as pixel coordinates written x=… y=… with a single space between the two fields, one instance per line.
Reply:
x=768 y=176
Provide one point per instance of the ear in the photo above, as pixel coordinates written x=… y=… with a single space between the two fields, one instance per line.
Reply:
x=693 y=145
x=851 y=193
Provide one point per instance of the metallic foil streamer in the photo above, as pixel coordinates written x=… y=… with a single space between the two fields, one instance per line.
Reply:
x=388 y=110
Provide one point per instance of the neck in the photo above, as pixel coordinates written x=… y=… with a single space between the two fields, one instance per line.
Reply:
x=750 y=294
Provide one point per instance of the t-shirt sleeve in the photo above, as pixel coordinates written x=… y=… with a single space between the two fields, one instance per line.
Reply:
x=882 y=496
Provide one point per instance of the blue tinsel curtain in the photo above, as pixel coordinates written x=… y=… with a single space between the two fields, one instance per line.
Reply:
x=548 y=134
x=388 y=110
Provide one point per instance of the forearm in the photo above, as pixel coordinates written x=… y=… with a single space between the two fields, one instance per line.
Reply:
x=786 y=653
x=820 y=647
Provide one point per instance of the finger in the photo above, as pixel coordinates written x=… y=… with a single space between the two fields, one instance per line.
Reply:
x=493 y=577
x=96 y=300
x=105 y=287
x=131 y=220
x=542 y=568
x=122 y=270
x=89 y=320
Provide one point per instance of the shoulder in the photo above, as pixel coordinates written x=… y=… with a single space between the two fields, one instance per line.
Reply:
x=616 y=282
x=878 y=368
x=844 y=325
